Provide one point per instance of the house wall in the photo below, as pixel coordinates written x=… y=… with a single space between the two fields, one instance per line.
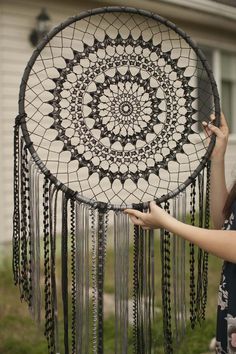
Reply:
x=17 y=18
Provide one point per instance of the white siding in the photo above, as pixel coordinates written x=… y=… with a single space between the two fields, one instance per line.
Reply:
x=17 y=18
x=230 y=161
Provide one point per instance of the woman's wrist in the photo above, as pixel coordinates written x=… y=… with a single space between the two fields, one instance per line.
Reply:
x=217 y=160
x=167 y=221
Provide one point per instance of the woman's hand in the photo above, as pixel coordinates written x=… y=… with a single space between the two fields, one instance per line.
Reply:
x=154 y=219
x=222 y=135
x=218 y=182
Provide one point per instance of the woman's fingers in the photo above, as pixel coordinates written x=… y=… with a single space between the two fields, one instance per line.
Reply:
x=136 y=221
x=217 y=131
x=133 y=212
x=223 y=122
x=212 y=117
x=136 y=216
x=206 y=129
x=211 y=128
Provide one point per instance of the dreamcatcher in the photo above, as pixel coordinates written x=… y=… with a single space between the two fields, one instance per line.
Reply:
x=109 y=109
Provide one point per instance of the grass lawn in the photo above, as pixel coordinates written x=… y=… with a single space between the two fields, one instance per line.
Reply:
x=20 y=335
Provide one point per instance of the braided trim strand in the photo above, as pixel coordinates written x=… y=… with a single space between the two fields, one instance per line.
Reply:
x=64 y=270
x=192 y=259
x=49 y=330
x=16 y=213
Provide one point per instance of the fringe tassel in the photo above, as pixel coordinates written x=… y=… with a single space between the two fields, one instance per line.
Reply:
x=49 y=324
x=16 y=213
x=101 y=253
x=64 y=269
x=198 y=300
x=73 y=275
x=25 y=279
x=86 y=230
x=205 y=254
x=143 y=290
x=94 y=233
x=192 y=259
x=175 y=267
x=178 y=271
x=182 y=296
x=82 y=275
x=148 y=288
x=166 y=286
x=37 y=275
x=121 y=271
x=35 y=241
x=53 y=236
x=136 y=329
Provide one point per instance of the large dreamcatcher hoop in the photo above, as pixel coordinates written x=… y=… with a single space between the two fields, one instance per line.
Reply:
x=110 y=108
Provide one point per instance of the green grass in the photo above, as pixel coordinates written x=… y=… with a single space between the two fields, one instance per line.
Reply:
x=20 y=335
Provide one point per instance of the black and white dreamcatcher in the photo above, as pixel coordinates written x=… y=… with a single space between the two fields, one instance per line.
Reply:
x=109 y=117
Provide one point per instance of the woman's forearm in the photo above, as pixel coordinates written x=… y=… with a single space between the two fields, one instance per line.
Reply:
x=218 y=192
x=220 y=243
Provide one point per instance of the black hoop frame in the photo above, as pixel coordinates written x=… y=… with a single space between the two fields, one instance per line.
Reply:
x=22 y=115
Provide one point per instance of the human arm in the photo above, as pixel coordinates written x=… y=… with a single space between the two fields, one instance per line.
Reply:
x=218 y=190
x=220 y=243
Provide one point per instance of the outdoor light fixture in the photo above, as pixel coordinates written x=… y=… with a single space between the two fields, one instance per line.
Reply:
x=42 y=28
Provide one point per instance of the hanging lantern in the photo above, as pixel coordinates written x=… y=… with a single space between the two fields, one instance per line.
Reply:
x=42 y=28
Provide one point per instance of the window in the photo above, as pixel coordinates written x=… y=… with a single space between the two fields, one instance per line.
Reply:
x=204 y=90
x=224 y=68
x=228 y=96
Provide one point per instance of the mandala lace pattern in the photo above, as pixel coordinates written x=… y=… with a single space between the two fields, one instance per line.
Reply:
x=116 y=120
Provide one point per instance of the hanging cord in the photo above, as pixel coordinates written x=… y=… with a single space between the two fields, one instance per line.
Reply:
x=29 y=232
x=64 y=268
x=35 y=242
x=145 y=295
x=79 y=278
x=79 y=273
x=166 y=284
x=49 y=329
x=200 y=252
x=183 y=267
x=150 y=289
x=192 y=258
x=152 y=280
x=87 y=279
x=94 y=279
x=136 y=346
x=121 y=271
x=205 y=254
x=141 y=291
x=101 y=253
x=53 y=229
x=32 y=243
x=176 y=272
x=16 y=213
x=25 y=280
x=73 y=275
x=82 y=279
